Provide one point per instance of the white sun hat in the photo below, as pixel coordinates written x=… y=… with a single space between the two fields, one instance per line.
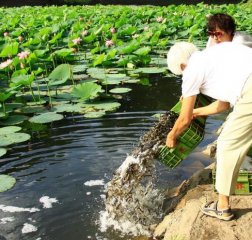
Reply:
x=179 y=54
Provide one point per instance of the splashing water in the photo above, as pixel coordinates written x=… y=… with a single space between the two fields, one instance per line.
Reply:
x=132 y=203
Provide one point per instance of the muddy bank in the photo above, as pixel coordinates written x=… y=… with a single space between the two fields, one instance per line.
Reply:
x=184 y=221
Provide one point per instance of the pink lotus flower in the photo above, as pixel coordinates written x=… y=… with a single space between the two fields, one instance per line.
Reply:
x=6 y=34
x=23 y=55
x=159 y=19
x=84 y=33
x=109 y=43
x=5 y=64
x=76 y=41
x=112 y=30
x=20 y=38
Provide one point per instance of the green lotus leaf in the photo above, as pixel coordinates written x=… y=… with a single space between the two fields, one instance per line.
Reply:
x=106 y=106
x=40 y=103
x=120 y=90
x=142 y=51
x=13 y=138
x=9 y=49
x=2 y=115
x=150 y=70
x=68 y=108
x=9 y=129
x=13 y=120
x=3 y=151
x=131 y=81
x=46 y=117
x=86 y=91
x=99 y=59
x=5 y=96
x=81 y=77
x=111 y=82
x=64 y=52
x=25 y=80
x=95 y=114
x=60 y=74
x=33 y=109
x=6 y=182
x=10 y=106
x=79 y=68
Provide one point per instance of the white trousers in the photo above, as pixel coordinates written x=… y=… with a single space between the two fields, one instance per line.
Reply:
x=234 y=142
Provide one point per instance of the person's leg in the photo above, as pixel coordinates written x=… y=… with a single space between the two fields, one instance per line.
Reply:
x=233 y=145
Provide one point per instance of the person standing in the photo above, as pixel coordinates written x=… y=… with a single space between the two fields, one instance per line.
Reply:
x=221 y=27
x=223 y=72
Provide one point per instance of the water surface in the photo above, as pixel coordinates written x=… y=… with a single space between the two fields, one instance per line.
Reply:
x=60 y=159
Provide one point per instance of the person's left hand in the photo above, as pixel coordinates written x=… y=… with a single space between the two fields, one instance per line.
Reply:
x=171 y=141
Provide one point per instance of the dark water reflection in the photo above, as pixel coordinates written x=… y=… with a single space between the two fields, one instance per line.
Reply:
x=59 y=160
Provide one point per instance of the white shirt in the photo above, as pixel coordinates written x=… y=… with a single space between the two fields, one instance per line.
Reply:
x=239 y=37
x=219 y=72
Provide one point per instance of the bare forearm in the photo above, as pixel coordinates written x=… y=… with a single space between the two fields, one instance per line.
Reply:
x=213 y=108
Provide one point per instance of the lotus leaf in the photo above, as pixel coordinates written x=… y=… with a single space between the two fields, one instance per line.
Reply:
x=94 y=114
x=120 y=90
x=86 y=90
x=131 y=81
x=106 y=106
x=143 y=51
x=111 y=82
x=68 y=108
x=9 y=49
x=13 y=120
x=46 y=117
x=12 y=138
x=150 y=70
x=22 y=80
x=60 y=74
x=79 y=68
x=81 y=77
x=99 y=59
x=9 y=129
x=33 y=109
x=6 y=182
x=4 y=96
x=63 y=52
x=3 y=151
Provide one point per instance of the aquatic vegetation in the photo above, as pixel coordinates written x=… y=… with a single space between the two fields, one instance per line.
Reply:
x=6 y=182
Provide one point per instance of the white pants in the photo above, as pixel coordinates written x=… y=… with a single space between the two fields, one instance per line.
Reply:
x=234 y=142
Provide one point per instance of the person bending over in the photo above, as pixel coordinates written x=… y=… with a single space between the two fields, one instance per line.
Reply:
x=223 y=72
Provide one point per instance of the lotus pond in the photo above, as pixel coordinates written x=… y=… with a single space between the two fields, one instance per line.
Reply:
x=79 y=86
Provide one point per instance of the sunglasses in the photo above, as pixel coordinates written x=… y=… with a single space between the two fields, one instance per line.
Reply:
x=215 y=33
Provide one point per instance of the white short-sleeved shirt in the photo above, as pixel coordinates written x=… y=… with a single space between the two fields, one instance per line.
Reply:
x=239 y=37
x=219 y=72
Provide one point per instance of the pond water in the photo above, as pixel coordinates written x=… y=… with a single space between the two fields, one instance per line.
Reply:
x=68 y=153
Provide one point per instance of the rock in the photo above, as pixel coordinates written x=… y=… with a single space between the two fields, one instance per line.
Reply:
x=185 y=221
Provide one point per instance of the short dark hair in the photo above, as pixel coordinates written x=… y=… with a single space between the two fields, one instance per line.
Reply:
x=223 y=21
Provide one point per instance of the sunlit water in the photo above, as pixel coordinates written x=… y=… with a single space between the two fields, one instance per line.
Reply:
x=58 y=161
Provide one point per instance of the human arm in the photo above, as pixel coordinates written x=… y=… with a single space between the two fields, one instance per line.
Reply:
x=213 y=108
x=183 y=120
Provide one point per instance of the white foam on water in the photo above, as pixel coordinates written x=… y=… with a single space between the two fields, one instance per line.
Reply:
x=13 y=209
x=94 y=183
x=126 y=164
x=47 y=201
x=88 y=193
x=6 y=220
x=124 y=226
x=27 y=228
